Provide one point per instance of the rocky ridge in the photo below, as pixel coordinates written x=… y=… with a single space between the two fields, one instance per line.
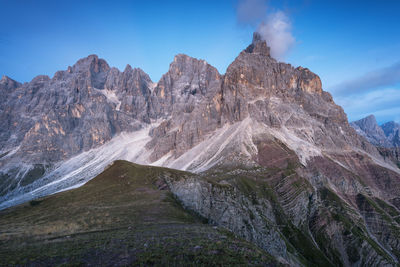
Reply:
x=386 y=135
x=278 y=162
x=392 y=131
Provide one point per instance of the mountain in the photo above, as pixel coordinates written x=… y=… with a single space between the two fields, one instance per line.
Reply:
x=386 y=135
x=369 y=128
x=392 y=131
x=271 y=157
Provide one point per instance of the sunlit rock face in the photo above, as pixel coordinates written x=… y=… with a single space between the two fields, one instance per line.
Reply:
x=277 y=160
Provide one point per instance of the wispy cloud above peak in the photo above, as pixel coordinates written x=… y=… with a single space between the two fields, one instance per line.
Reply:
x=277 y=31
x=275 y=27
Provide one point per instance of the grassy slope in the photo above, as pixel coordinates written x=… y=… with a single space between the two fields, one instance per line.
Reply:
x=124 y=216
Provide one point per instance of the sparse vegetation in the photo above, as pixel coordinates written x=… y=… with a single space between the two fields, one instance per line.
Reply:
x=119 y=218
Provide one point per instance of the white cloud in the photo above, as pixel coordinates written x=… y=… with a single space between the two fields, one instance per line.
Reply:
x=276 y=29
x=384 y=104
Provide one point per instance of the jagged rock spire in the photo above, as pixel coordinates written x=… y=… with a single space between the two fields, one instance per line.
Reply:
x=258 y=45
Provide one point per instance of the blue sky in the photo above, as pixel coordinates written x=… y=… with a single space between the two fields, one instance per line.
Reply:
x=354 y=46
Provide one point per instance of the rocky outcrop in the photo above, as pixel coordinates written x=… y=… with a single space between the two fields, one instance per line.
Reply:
x=7 y=84
x=392 y=153
x=297 y=220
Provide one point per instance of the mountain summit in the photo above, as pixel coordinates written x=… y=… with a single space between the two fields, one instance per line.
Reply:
x=386 y=135
x=258 y=46
x=274 y=158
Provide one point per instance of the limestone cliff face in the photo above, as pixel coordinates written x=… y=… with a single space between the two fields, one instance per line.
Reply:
x=255 y=86
x=277 y=161
x=188 y=97
x=280 y=95
x=89 y=103
x=53 y=119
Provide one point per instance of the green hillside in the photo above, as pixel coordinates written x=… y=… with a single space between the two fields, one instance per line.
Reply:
x=124 y=216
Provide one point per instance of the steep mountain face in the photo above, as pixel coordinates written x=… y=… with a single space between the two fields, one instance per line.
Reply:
x=52 y=119
x=47 y=121
x=187 y=97
x=392 y=153
x=369 y=128
x=392 y=131
x=277 y=162
x=386 y=135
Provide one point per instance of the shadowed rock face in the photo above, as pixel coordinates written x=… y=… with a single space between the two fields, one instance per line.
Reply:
x=369 y=128
x=278 y=160
x=385 y=137
x=53 y=119
x=188 y=96
x=7 y=84
x=392 y=131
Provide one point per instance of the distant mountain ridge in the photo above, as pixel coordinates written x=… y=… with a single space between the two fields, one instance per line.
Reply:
x=386 y=135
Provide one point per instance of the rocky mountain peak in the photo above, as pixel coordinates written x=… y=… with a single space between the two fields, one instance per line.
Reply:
x=128 y=68
x=184 y=63
x=93 y=69
x=369 y=128
x=40 y=79
x=187 y=75
x=258 y=45
x=8 y=84
x=137 y=72
x=4 y=78
x=91 y=63
x=369 y=120
x=367 y=123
